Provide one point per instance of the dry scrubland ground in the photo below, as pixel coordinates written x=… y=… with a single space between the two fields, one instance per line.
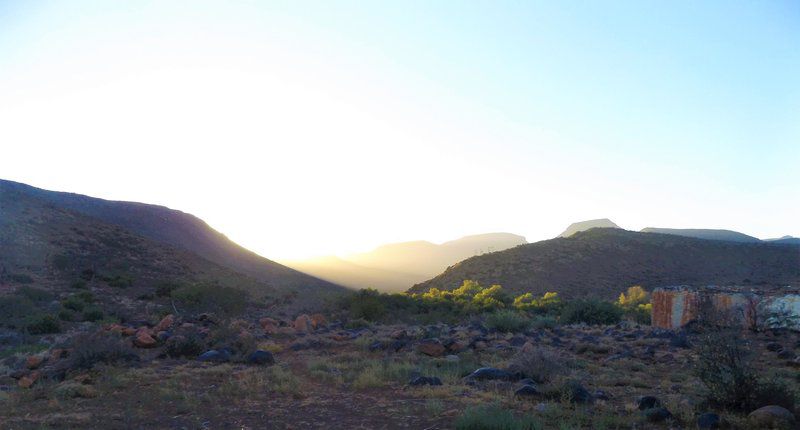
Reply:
x=358 y=378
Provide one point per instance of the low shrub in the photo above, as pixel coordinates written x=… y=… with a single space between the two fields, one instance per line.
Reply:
x=507 y=321
x=540 y=365
x=590 y=311
x=80 y=284
x=92 y=313
x=165 y=289
x=34 y=294
x=88 y=350
x=73 y=303
x=42 y=324
x=725 y=366
x=544 y=322
x=211 y=298
x=184 y=346
x=494 y=417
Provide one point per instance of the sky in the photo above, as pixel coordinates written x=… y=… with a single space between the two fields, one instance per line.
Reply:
x=304 y=128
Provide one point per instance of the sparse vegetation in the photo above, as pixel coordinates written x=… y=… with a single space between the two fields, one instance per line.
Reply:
x=203 y=297
x=42 y=324
x=590 y=311
x=725 y=366
x=494 y=417
x=508 y=321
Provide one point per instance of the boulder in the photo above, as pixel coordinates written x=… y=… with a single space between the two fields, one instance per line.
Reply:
x=303 y=324
x=527 y=391
x=144 y=340
x=34 y=361
x=578 y=393
x=425 y=380
x=260 y=357
x=774 y=346
x=656 y=415
x=431 y=347
x=398 y=334
x=28 y=380
x=128 y=331
x=215 y=356
x=708 y=420
x=492 y=374
x=165 y=323
x=771 y=416
x=58 y=353
x=318 y=321
x=647 y=402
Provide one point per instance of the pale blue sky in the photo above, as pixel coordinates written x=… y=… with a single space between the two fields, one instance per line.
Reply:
x=304 y=128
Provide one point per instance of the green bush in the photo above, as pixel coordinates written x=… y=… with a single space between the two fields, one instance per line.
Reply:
x=725 y=365
x=367 y=304
x=543 y=322
x=80 y=284
x=507 y=321
x=184 y=346
x=165 y=289
x=590 y=311
x=15 y=309
x=92 y=314
x=88 y=350
x=73 y=303
x=494 y=417
x=211 y=298
x=119 y=281
x=34 y=294
x=42 y=324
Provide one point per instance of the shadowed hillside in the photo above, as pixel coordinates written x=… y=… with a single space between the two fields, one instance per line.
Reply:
x=397 y=266
x=603 y=262
x=171 y=227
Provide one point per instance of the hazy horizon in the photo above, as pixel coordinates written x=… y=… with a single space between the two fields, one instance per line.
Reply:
x=302 y=131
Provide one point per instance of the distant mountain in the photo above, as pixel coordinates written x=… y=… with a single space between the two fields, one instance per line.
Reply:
x=586 y=225
x=397 y=266
x=788 y=240
x=602 y=262
x=708 y=234
x=54 y=236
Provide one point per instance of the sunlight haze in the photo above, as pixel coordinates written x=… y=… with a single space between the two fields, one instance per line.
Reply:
x=304 y=131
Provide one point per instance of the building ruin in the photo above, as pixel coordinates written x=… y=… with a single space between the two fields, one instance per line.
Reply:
x=676 y=306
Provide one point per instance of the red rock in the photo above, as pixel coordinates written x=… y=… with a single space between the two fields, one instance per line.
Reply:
x=57 y=354
x=128 y=331
x=144 y=340
x=456 y=346
x=165 y=323
x=528 y=347
x=431 y=347
x=34 y=361
x=269 y=325
x=28 y=381
x=318 y=320
x=398 y=334
x=303 y=324
x=340 y=337
x=187 y=325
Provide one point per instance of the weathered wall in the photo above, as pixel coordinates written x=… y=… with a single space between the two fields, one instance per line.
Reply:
x=675 y=307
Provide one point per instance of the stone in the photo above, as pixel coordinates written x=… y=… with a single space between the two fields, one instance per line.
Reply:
x=128 y=331
x=647 y=402
x=28 y=380
x=578 y=393
x=216 y=356
x=377 y=346
x=431 y=347
x=491 y=373
x=656 y=415
x=58 y=354
x=601 y=395
x=165 y=323
x=708 y=420
x=144 y=340
x=260 y=357
x=318 y=321
x=303 y=324
x=786 y=354
x=771 y=416
x=774 y=346
x=34 y=361
x=399 y=334
x=528 y=347
x=425 y=380
x=452 y=358
x=527 y=391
